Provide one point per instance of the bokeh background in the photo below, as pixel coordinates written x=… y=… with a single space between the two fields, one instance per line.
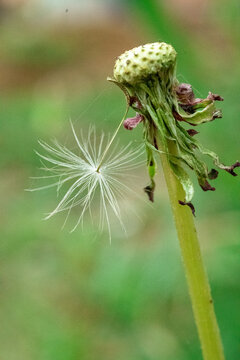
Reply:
x=72 y=296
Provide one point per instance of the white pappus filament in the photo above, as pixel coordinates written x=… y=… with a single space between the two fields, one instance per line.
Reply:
x=94 y=172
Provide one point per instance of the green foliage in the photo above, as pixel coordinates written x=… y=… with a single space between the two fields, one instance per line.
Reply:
x=75 y=296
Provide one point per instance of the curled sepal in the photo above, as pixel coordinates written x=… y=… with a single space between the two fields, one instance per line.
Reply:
x=202 y=112
x=193 y=110
x=186 y=184
x=184 y=179
x=131 y=99
x=205 y=185
x=232 y=167
x=149 y=190
x=123 y=88
x=215 y=157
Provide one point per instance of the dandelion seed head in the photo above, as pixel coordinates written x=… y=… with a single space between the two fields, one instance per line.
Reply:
x=142 y=62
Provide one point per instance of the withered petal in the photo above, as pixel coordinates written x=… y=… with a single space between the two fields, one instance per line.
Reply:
x=213 y=174
x=185 y=93
x=135 y=102
x=188 y=204
x=149 y=190
x=230 y=169
x=214 y=97
x=192 y=132
x=131 y=123
x=206 y=186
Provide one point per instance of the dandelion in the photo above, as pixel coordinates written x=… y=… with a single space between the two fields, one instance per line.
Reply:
x=95 y=171
x=147 y=76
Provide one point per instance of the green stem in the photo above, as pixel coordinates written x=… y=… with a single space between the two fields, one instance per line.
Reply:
x=196 y=275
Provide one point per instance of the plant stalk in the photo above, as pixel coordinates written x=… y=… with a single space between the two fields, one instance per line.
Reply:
x=196 y=275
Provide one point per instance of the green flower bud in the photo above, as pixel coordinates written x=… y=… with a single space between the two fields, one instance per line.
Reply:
x=142 y=62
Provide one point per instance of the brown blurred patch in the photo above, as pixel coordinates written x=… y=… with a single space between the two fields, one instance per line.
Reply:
x=91 y=56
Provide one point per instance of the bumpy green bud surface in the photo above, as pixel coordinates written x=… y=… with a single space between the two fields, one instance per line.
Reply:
x=141 y=62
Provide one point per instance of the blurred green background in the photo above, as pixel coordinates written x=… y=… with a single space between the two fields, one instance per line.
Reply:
x=72 y=296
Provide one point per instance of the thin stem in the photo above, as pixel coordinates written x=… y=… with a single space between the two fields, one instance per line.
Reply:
x=196 y=275
x=112 y=139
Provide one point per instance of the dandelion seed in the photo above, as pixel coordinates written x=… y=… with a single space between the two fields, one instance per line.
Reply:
x=93 y=172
